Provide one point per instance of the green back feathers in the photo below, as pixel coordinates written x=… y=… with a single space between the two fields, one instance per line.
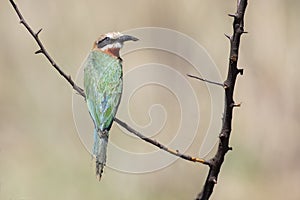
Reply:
x=103 y=87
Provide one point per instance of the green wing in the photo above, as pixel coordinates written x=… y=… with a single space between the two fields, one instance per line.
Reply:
x=103 y=87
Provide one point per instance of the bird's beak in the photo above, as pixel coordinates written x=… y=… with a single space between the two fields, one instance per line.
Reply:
x=125 y=38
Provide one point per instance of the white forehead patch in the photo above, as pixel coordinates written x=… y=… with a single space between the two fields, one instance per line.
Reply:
x=114 y=35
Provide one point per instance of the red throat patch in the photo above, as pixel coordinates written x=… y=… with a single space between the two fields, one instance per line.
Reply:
x=113 y=51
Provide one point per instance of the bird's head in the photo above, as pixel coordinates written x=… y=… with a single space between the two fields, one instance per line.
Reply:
x=111 y=43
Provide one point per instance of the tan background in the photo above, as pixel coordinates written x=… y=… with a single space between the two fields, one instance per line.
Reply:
x=41 y=156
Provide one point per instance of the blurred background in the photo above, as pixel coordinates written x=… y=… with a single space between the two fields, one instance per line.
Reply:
x=41 y=155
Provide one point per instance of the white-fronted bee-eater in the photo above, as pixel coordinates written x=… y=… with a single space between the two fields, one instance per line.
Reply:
x=103 y=85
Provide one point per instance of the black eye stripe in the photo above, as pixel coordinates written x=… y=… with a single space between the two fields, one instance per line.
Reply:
x=105 y=41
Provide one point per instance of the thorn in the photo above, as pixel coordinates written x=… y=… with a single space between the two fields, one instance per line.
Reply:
x=213 y=179
x=241 y=71
x=21 y=21
x=232 y=15
x=222 y=135
x=227 y=36
x=37 y=34
x=245 y=32
x=229 y=148
x=236 y=105
x=38 y=51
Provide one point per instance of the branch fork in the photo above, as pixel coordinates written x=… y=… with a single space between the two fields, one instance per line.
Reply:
x=214 y=163
x=81 y=92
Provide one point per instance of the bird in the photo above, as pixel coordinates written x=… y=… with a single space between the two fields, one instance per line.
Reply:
x=103 y=85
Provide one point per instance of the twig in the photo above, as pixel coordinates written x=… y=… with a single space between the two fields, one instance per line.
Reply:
x=159 y=145
x=216 y=162
x=43 y=51
x=205 y=80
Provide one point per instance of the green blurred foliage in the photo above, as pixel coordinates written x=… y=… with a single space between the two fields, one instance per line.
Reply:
x=41 y=156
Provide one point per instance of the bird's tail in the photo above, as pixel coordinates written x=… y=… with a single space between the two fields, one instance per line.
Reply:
x=99 y=151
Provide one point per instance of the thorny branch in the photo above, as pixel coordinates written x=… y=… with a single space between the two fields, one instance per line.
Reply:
x=44 y=51
x=216 y=162
x=68 y=78
x=155 y=143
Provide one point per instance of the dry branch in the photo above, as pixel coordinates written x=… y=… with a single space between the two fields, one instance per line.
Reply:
x=216 y=162
x=68 y=78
